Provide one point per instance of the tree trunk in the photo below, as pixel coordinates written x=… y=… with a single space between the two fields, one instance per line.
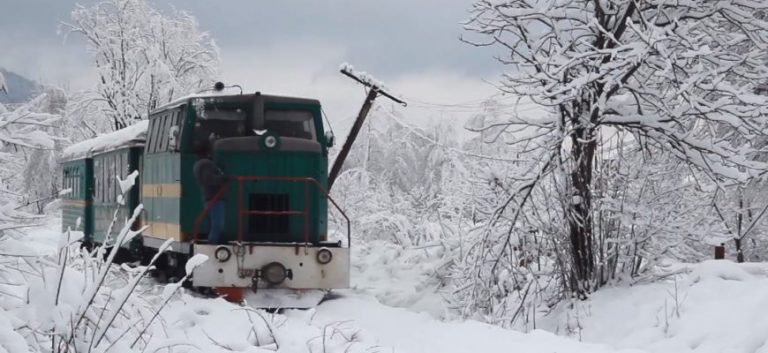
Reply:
x=739 y=252
x=579 y=210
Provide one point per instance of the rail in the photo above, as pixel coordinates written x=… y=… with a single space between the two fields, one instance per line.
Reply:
x=241 y=212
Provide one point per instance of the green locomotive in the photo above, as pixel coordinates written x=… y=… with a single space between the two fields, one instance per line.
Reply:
x=275 y=151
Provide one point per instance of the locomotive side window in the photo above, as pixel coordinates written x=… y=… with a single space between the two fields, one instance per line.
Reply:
x=154 y=128
x=214 y=123
x=165 y=128
x=151 y=136
x=290 y=123
x=174 y=132
x=160 y=132
x=158 y=142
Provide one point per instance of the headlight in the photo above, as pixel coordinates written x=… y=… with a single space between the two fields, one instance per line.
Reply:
x=222 y=254
x=270 y=141
x=274 y=273
x=324 y=256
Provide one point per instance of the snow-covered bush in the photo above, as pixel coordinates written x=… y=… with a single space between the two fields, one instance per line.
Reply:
x=77 y=300
x=400 y=183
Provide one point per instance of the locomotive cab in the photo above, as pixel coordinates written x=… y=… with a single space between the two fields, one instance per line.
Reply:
x=275 y=153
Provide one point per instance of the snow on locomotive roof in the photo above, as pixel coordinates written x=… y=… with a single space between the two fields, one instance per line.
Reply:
x=184 y=99
x=134 y=135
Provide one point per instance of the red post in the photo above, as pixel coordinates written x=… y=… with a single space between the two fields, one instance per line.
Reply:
x=306 y=212
x=720 y=252
x=239 y=210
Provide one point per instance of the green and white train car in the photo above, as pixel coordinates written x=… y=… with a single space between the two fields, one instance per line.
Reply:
x=91 y=170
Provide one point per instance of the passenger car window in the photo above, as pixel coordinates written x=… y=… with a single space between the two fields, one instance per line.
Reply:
x=75 y=189
x=111 y=178
x=123 y=165
x=96 y=182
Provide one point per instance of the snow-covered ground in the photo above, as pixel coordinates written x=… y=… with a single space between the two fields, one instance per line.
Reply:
x=709 y=307
x=714 y=306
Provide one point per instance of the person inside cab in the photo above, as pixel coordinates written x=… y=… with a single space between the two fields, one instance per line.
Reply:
x=211 y=179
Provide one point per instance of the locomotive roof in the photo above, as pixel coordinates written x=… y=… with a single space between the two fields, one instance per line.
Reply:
x=134 y=135
x=226 y=96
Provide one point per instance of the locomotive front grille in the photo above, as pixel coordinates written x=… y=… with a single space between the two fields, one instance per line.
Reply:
x=269 y=227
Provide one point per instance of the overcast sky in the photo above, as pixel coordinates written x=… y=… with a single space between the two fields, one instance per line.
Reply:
x=291 y=47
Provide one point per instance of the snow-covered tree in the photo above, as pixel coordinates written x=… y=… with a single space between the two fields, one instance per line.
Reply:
x=40 y=178
x=143 y=57
x=668 y=77
x=21 y=130
x=3 y=84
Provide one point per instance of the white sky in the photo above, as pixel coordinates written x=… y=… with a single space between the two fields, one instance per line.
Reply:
x=291 y=48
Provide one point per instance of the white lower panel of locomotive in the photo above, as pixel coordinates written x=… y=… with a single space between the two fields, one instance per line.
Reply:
x=246 y=261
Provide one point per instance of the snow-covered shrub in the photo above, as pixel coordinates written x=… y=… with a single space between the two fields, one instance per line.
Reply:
x=400 y=182
x=78 y=300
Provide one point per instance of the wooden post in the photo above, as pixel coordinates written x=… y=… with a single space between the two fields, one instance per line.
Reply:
x=351 y=137
x=367 y=104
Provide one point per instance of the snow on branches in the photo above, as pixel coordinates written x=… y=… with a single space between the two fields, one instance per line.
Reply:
x=143 y=58
x=681 y=76
x=661 y=79
x=25 y=127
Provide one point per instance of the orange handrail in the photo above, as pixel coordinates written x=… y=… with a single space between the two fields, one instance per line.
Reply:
x=305 y=212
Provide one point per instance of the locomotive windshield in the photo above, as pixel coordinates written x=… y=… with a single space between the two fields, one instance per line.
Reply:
x=290 y=123
x=214 y=122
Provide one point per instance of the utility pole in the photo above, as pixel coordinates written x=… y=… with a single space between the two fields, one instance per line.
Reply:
x=373 y=92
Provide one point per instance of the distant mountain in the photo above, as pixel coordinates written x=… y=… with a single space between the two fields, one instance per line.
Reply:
x=20 y=88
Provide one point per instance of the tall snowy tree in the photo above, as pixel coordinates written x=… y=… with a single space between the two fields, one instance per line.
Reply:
x=40 y=180
x=21 y=129
x=673 y=77
x=143 y=57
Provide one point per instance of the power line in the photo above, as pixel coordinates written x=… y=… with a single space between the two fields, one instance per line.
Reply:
x=459 y=151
